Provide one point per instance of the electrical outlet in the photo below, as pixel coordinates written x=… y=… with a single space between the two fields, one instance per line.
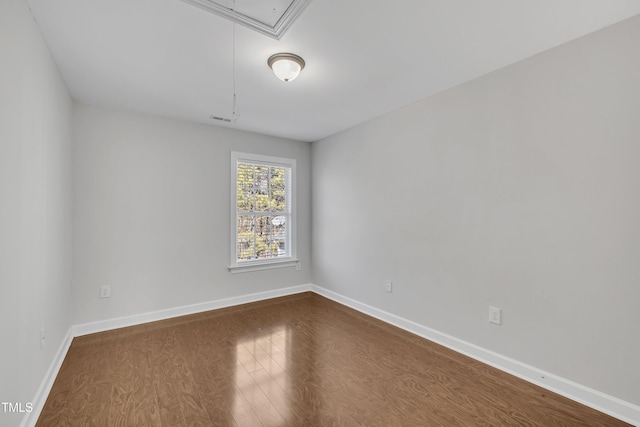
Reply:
x=298 y=266
x=105 y=291
x=495 y=315
x=388 y=286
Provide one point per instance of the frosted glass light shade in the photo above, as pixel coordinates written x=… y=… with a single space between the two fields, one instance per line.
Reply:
x=286 y=66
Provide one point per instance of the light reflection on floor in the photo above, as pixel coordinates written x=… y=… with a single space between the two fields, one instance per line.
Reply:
x=261 y=377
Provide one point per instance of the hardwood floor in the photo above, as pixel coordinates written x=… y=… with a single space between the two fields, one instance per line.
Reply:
x=300 y=360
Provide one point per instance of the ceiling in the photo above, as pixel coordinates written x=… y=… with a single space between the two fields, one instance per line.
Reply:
x=364 y=57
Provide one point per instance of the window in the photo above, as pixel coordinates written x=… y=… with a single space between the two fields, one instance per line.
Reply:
x=262 y=212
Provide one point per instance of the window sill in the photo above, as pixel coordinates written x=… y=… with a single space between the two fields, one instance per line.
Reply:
x=268 y=265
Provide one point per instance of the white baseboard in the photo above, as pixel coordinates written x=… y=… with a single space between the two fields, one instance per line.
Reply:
x=42 y=393
x=613 y=406
x=137 y=319
x=40 y=398
x=602 y=402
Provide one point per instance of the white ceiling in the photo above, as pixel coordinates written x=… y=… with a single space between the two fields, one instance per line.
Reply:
x=364 y=57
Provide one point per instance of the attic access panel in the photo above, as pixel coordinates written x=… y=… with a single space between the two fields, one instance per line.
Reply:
x=270 y=17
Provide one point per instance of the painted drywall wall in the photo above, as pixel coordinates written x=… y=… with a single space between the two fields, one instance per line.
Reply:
x=151 y=211
x=35 y=209
x=518 y=190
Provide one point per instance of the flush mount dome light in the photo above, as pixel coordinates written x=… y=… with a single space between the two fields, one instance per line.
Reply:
x=286 y=66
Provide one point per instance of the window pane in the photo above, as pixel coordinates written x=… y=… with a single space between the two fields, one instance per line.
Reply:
x=279 y=234
x=278 y=200
x=277 y=194
x=277 y=177
x=261 y=185
x=264 y=241
x=261 y=237
x=244 y=188
x=245 y=242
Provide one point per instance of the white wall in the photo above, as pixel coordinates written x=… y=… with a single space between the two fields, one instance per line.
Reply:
x=152 y=213
x=35 y=207
x=518 y=190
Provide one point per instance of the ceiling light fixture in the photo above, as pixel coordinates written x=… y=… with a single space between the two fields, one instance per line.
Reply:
x=286 y=66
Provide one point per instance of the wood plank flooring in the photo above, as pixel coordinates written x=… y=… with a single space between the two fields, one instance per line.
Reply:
x=300 y=360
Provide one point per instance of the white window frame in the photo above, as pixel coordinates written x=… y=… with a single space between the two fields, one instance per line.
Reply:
x=239 y=266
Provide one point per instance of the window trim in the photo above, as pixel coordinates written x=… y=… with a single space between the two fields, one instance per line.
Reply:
x=236 y=266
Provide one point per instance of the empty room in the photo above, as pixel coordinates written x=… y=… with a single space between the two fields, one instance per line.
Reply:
x=319 y=213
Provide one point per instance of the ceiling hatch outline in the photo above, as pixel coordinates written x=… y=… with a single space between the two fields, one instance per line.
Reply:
x=283 y=13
